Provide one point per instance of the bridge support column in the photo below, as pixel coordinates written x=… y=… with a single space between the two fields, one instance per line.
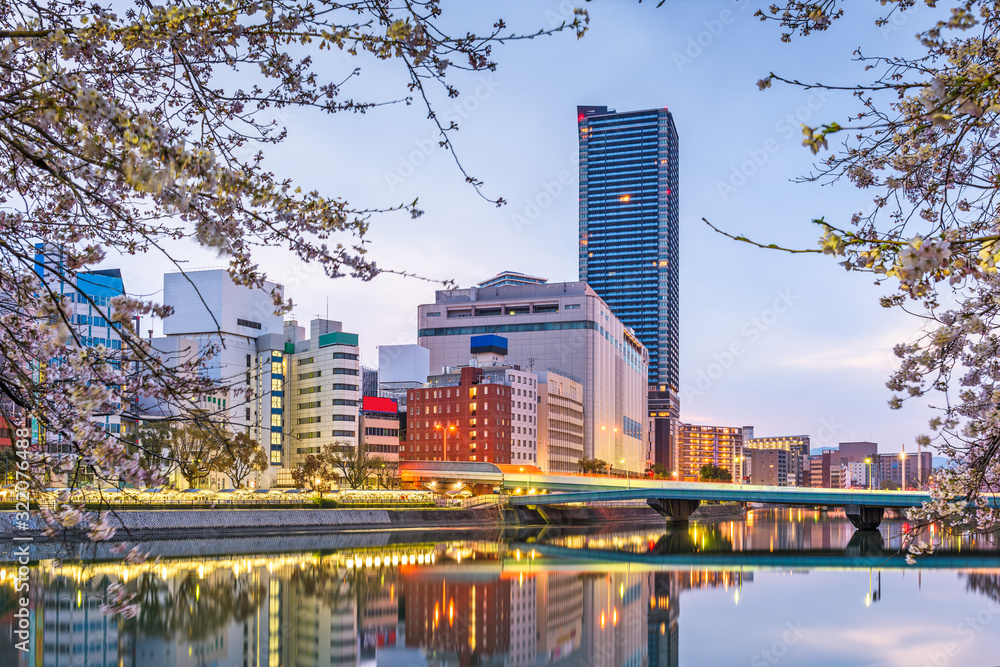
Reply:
x=674 y=510
x=864 y=517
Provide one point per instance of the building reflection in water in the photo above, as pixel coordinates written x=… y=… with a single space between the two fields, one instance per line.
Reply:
x=458 y=603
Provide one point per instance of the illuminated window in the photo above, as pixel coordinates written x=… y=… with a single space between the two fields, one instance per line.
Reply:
x=275 y=384
x=275 y=456
x=275 y=420
x=275 y=368
x=275 y=437
x=276 y=402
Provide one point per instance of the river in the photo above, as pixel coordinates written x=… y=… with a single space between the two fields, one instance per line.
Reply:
x=778 y=588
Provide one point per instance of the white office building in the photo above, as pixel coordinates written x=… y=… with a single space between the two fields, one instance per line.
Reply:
x=559 y=325
x=250 y=360
x=324 y=390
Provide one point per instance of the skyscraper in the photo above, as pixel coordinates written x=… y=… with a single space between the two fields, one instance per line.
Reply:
x=629 y=252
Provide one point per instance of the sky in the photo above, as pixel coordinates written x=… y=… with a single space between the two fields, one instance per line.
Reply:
x=791 y=344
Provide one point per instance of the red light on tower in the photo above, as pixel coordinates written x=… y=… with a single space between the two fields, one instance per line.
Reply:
x=580 y=118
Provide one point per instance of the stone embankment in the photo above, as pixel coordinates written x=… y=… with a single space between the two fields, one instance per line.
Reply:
x=180 y=524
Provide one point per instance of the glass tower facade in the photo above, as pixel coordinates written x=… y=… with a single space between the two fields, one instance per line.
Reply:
x=629 y=229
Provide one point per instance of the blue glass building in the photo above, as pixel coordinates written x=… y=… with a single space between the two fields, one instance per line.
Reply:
x=629 y=250
x=629 y=226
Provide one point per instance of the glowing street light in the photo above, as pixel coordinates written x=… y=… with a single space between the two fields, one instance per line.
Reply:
x=445 y=429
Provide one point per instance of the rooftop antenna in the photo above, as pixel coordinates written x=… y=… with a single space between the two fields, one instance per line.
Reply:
x=328 y=307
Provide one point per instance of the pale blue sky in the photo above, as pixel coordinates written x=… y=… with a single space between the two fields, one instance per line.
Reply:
x=816 y=367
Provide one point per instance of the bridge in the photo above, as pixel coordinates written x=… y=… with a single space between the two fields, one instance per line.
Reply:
x=675 y=501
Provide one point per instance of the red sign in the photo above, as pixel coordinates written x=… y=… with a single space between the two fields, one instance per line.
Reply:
x=377 y=404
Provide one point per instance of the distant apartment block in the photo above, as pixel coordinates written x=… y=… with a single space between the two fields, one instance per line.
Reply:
x=773 y=466
x=797 y=447
x=703 y=445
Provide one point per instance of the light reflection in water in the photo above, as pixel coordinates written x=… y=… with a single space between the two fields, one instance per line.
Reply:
x=460 y=602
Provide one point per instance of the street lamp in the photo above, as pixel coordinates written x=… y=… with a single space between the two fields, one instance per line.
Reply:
x=628 y=480
x=445 y=429
x=739 y=468
x=867 y=463
x=902 y=465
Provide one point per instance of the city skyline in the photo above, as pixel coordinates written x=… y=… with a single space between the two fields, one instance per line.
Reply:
x=785 y=343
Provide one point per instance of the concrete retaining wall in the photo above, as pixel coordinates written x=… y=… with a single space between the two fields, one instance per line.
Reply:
x=169 y=524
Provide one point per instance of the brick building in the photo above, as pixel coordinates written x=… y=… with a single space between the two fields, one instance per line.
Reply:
x=467 y=422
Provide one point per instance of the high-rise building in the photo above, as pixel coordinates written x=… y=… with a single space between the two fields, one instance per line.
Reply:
x=629 y=239
x=240 y=323
x=324 y=390
x=560 y=422
x=553 y=325
x=88 y=297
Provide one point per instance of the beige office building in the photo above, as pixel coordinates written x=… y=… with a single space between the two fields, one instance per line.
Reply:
x=563 y=326
x=560 y=422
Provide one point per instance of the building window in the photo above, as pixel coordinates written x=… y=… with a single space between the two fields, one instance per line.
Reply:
x=275 y=384
x=303 y=362
x=276 y=402
x=309 y=406
x=571 y=306
x=307 y=420
x=309 y=376
x=275 y=437
x=308 y=390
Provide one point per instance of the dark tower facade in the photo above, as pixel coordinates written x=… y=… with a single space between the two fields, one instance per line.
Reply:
x=629 y=239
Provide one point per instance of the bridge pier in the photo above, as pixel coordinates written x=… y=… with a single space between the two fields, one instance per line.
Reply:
x=864 y=517
x=674 y=510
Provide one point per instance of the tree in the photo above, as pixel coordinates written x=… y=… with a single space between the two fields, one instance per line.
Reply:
x=239 y=456
x=355 y=464
x=386 y=473
x=713 y=473
x=924 y=143
x=8 y=461
x=194 y=448
x=123 y=132
x=659 y=471
x=150 y=445
x=592 y=466
x=318 y=471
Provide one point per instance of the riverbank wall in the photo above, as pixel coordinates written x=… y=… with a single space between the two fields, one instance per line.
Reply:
x=183 y=524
